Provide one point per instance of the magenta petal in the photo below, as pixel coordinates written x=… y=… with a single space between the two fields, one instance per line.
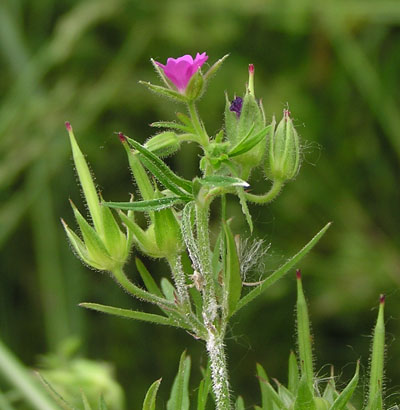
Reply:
x=180 y=70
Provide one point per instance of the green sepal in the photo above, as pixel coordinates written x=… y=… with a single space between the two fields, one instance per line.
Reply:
x=232 y=279
x=173 y=126
x=345 y=396
x=195 y=87
x=156 y=204
x=87 y=183
x=179 y=398
x=166 y=92
x=249 y=141
x=85 y=401
x=231 y=122
x=96 y=249
x=222 y=181
x=145 y=240
x=321 y=404
x=114 y=240
x=214 y=68
x=130 y=314
x=304 y=399
x=304 y=335
x=149 y=402
x=280 y=272
x=286 y=395
x=161 y=171
x=239 y=405
x=293 y=374
x=250 y=116
x=330 y=394
x=102 y=403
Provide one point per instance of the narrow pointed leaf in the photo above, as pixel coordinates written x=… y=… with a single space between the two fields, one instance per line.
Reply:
x=171 y=125
x=114 y=240
x=85 y=402
x=179 y=398
x=148 y=280
x=293 y=378
x=214 y=68
x=304 y=335
x=232 y=280
x=249 y=142
x=130 y=314
x=76 y=242
x=147 y=206
x=222 y=181
x=345 y=396
x=286 y=395
x=204 y=389
x=280 y=272
x=304 y=400
x=151 y=395
x=239 y=405
x=161 y=171
x=266 y=397
x=377 y=360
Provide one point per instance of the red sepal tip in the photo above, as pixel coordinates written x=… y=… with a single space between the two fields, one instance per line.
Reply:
x=251 y=68
x=298 y=274
x=68 y=126
x=382 y=298
x=121 y=137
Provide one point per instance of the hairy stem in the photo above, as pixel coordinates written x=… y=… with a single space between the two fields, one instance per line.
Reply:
x=268 y=196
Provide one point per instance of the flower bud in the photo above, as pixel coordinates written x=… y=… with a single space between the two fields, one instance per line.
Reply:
x=283 y=161
x=195 y=88
x=163 y=144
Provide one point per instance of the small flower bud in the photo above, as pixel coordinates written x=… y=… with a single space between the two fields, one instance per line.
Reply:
x=163 y=144
x=284 y=151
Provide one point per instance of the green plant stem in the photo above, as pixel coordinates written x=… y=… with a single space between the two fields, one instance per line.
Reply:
x=21 y=378
x=215 y=328
x=197 y=124
x=268 y=196
x=134 y=290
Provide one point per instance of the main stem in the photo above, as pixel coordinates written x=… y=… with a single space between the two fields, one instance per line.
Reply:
x=211 y=318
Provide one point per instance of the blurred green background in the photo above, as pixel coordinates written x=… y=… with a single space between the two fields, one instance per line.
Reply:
x=336 y=64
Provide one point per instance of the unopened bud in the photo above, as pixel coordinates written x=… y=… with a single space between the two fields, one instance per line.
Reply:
x=284 y=151
x=163 y=144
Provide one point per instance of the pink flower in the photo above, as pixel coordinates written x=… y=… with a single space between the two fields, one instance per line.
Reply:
x=180 y=70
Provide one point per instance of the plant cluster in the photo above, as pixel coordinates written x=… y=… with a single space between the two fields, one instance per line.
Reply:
x=206 y=286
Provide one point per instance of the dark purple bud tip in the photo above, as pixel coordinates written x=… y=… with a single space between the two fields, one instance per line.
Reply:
x=236 y=106
x=68 y=126
x=286 y=114
x=382 y=298
x=298 y=274
x=251 y=68
x=121 y=137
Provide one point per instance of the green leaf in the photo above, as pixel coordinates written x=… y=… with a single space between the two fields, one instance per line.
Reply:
x=179 y=399
x=168 y=289
x=245 y=208
x=162 y=172
x=85 y=402
x=232 y=280
x=171 y=125
x=165 y=91
x=151 y=395
x=204 y=389
x=293 y=378
x=222 y=181
x=239 y=405
x=304 y=335
x=280 y=272
x=147 y=206
x=148 y=280
x=345 y=396
x=266 y=398
x=304 y=400
x=377 y=360
x=269 y=395
x=249 y=141
x=130 y=314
